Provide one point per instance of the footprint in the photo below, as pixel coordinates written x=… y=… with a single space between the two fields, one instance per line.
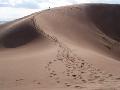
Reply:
x=38 y=83
x=20 y=79
x=79 y=87
x=67 y=84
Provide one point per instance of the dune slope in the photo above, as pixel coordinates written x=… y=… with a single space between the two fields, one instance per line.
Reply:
x=108 y=20
x=72 y=47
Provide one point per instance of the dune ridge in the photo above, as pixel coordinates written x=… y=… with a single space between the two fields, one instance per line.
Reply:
x=76 y=68
x=62 y=48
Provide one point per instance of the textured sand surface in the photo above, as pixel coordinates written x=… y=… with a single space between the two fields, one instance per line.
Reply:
x=67 y=48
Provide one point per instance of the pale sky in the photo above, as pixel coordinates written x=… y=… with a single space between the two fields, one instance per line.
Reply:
x=13 y=9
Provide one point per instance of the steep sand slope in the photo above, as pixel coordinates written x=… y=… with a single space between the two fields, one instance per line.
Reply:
x=108 y=20
x=63 y=48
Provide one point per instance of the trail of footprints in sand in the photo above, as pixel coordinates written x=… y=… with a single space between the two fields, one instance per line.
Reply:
x=76 y=70
x=72 y=71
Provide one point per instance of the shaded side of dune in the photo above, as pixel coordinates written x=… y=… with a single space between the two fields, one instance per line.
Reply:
x=19 y=34
x=106 y=17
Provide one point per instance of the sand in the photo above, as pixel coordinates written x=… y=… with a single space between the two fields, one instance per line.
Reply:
x=66 y=48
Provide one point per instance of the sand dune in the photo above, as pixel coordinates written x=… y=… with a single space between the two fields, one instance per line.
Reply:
x=65 y=48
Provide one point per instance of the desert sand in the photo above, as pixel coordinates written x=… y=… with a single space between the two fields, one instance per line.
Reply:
x=65 y=48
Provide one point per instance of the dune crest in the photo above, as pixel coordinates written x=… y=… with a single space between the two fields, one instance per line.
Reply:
x=72 y=47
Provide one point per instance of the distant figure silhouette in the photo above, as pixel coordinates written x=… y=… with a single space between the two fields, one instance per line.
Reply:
x=49 y=7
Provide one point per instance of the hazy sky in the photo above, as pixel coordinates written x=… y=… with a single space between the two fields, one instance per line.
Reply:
x=12 y=9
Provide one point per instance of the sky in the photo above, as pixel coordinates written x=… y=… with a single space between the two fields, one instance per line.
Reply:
x=13 y=9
